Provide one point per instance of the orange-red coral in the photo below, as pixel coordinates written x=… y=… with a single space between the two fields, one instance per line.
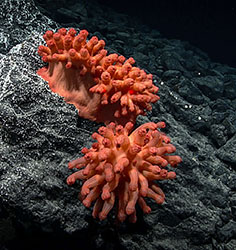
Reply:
x=124 y=166
x=103 y=88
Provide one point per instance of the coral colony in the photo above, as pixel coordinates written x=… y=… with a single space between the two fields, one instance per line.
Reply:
x=124 y=165
x=121 y=165
x=103 y=88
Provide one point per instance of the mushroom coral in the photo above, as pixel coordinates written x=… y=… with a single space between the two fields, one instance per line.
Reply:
x=102 y=87
x=123 y=166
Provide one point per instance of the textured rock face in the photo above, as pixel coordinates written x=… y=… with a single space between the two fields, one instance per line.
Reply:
x=40 y=134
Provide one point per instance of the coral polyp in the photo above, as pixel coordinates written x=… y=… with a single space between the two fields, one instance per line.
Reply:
x=124 y=166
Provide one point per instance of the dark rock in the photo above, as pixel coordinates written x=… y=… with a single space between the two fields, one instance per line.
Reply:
x=171 y=61
x=210 y=86
x=190 y=92
x=230 y=87
x=227 y=231
x=217 y=134
x=228 y=151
